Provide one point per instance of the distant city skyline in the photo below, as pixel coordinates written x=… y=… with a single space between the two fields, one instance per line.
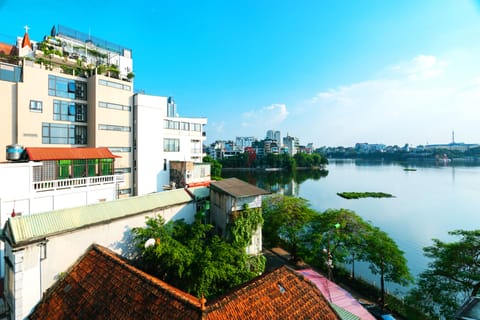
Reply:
x=331 y=73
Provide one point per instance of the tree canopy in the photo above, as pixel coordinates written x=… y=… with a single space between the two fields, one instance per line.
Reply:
x=286 y=221
x=192 y=258
x=451 y=277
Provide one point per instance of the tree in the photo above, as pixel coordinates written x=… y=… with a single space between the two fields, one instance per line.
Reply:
x=452 y=275
x=286 y=219
x=191 y=258
x=215 y=167
x=387 y=260
x=343 y=232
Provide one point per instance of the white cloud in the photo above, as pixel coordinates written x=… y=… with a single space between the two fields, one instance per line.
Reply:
x=268 y=117
x=416 y=102
x=421 y=67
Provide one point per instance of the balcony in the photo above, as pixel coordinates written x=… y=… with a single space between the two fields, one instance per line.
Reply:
x=52 y=185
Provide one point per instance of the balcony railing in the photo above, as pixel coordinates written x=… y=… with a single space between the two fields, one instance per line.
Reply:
x=40 y=186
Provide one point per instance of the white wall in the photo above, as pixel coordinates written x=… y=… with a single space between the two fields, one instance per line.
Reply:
x=150 y=112
x=33 y=276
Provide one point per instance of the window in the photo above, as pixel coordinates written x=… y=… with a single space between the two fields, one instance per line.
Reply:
x=171 y=145
x=115 y=106
x=122 y=170
x=115 y=85
x=36 y=106
x=196 y=146
x=55 y=133
x=120 y=149
x=69 y=111
x=185 y=126
x=125 y=191
x=171 y=108
x=169 y=124
x=196 y=127
x=110 y=127
x=67 y=88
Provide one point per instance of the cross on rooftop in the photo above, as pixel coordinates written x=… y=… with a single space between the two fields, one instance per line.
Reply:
x=26 y=28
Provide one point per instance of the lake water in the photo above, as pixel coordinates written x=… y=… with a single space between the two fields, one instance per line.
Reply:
x=428 y=202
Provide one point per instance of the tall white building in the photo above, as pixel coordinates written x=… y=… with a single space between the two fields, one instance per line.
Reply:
x=274 y=135
x=161 y=136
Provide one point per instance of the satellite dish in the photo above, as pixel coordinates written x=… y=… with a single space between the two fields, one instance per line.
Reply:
x=149 y=243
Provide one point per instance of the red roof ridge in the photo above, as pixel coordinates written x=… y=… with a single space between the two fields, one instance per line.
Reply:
x=26 y=41
x=121 y=261
x=43 y=153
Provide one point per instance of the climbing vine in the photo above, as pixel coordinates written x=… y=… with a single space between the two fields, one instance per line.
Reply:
x=244 y=223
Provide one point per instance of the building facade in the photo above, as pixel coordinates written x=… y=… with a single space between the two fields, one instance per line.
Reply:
x=75 y=90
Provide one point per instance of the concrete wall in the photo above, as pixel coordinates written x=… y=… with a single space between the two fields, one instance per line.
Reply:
x=36 y=270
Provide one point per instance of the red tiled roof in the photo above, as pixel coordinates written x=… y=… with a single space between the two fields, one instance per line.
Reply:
x=7 y=49
x=102 y=285
x=39 y=154
x=280 y=294
x=26 y=41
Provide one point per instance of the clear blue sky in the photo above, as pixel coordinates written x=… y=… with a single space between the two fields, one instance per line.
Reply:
x=331 y=72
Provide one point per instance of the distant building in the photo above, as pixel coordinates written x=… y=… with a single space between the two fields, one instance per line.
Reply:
x=244 y=142
x=291 y=144
x=274 y=135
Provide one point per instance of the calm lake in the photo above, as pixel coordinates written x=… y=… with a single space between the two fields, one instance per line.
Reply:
x=429 y=202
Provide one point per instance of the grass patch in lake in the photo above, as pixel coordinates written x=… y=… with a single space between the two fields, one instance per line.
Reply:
x=409 y=169
x=358 y=195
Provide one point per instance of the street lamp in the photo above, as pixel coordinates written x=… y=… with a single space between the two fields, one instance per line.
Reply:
x=329 y=253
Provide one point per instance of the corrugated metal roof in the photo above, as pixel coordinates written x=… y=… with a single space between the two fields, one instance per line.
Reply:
x=344 y=314
x=23 y=229
x=39 y=154
x=237 y=188
x=200 y=192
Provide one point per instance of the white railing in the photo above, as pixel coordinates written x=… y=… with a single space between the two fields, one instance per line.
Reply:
x=76 y=182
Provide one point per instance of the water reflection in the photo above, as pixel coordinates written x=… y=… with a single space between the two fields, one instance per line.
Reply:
x=282 y=182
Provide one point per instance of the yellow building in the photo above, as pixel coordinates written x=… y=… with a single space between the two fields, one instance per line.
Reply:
x=69 y=90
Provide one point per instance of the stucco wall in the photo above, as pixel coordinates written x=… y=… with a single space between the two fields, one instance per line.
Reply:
x=33 y=275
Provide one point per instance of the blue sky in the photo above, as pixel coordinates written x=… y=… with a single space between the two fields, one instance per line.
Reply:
x=331 y=72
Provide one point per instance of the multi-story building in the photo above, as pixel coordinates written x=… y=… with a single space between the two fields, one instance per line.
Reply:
x=75 y=90
x=291 y=144
x=274 y=135
x=244 y=142
x=161 y=137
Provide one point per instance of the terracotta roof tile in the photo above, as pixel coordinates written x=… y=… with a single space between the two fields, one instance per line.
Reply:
x=39 y=154
x=102 y=285
x=7 y=49
x=280 y=294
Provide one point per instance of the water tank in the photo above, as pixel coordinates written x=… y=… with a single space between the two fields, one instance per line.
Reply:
x=14 y=152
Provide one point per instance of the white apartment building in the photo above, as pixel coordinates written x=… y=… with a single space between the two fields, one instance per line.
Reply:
x=161 y=136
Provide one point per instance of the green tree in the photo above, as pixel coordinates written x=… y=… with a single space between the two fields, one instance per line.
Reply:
x=452 y=275
x=386 y=260
x=286 y=220
x=191 y=258
x=343 y=232
x=215 y=167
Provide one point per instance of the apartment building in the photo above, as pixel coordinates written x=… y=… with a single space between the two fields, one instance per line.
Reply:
x=75 y=90
x=162 y=137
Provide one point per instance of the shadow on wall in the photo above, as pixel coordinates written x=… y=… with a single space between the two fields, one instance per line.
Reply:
x=126 y=246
